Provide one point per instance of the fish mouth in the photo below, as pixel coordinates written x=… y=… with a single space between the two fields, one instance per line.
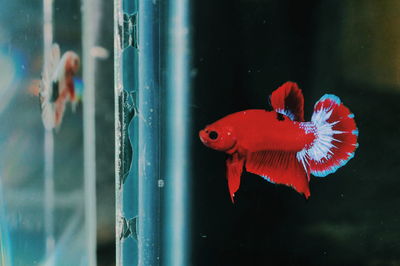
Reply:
x=203 y=137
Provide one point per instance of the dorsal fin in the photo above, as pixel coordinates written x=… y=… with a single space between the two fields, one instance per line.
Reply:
x=288 y=100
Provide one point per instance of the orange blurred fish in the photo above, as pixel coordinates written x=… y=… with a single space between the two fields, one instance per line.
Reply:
x=57 y=86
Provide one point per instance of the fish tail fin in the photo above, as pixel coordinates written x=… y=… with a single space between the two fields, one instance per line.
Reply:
x=336 y=137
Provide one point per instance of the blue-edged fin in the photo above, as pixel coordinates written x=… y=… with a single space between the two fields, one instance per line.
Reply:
x=289 y=101
x=279 y=168
x=336 y=138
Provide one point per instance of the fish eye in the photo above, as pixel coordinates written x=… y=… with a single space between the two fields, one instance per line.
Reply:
x=213 y=135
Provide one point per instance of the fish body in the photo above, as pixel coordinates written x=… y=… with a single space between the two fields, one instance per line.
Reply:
x=279 y=146
x=57 y=86
x=260 y=130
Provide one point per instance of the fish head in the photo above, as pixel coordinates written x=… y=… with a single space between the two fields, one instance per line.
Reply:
x=219 y=137
x=72 y=62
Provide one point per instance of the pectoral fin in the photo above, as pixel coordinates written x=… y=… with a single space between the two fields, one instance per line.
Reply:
x=234 y=169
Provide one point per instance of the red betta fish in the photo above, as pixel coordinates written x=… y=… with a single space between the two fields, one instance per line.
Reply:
x=279 y=146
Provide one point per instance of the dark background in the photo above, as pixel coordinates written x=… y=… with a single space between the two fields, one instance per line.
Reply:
x=242 y=51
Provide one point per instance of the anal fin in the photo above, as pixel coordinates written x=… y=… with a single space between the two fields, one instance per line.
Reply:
x=279 y=168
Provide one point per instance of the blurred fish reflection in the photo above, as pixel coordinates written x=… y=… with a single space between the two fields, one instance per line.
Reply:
x=57 y=86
